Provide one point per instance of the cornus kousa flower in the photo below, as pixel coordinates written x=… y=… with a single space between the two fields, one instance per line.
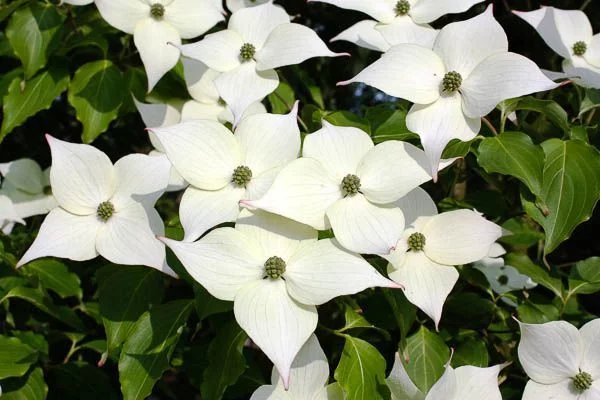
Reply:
x=103 y=209
x=424 y=257
x=257 y=40
x=224 y=168
x=562 y=362
x=28 y=187
x=347 y=183
x=468 y=72
x=308 y=376
x=206 y=103
x=276 y=273
x=155 y=24
x=569 y=33
x=463 y=383
x=397 y=21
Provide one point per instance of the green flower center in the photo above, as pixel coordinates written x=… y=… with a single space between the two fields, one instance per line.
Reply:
x=105 y=211
x=242 y=175
x=416 y=241
x=157 y=11
x=582 y=381
x=579 y=48
x=402 y=7
x=451 y=82
x=47 y=190
x=247 y=52
x=350 y=185
x=274 y=267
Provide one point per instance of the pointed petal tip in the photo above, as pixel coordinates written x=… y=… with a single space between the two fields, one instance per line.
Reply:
x=344 y=83
x=342 y=54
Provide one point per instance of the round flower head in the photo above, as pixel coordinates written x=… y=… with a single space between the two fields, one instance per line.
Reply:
x=562 y=362
x=104 y=209
x=158 y=27
x=276 y=273
x=256 y=41
x=468 y=72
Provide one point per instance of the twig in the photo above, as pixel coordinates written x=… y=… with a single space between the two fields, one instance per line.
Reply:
x=489 y=125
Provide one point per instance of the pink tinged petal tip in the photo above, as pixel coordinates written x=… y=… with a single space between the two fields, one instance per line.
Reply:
x=247 y=203
x=343 y=55
x=344 y=83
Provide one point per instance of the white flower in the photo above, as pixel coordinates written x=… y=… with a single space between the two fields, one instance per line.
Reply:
x=347 y=183
x=503 y=278
x=463 y=383
x=468 y=72
x=569 y=33
x=28 y=187
x=206 y=103
x=308 y=376
x=158 y=27
x=562 y=362
x=8 y=215
x=258 y=40
x=223 y=168
x=234 y=5
x=398 y=21
x=276 y=273
x=103 y=209
x=424 y=257
x=77 y=2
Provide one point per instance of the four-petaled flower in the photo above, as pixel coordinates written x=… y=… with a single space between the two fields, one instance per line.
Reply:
x=158 y=27
x=468 y=72
x=223 y=168
x=561 y=361
x=103 y=209
x=257 y=40
x=276 y=273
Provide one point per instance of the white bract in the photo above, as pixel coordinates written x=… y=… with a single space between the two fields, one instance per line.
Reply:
x=276 y=273
x=308 y=376
x=223 y=168
x=347 y=183
x=257 y=40
x=397 y=21
x=77 y=2
x=468 y=72
x=234 y=5
x=562 y=362
x=206 y=103
x=569 y=33
x=463 y=383
x=28 y=187
x=424 y=257
x=103 y=209
x=158 y=27
x=8 y=215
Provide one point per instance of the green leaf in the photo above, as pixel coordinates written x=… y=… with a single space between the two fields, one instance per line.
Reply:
x=570 y=188
x=38 y=94
x=361 y=371
x=354 y=319
x=585 y=277
x=7 y=79
x=16 y=357
x=29 y=387
x=404 y=311
x=540 y=275
x=5 y=11
x=125 y=293
x=471 y=352
x=428 y=354
x=346 y=118
x=388 y=124
x=590 y=101
x=38 y=342
x=41 y=300
x=33 y=34
x=282 y=99
x=147 y=351
x=207 y=304
x=55 y=275
x=96 y=92
x=513 y=153
x=549 y=108
x=226 y=361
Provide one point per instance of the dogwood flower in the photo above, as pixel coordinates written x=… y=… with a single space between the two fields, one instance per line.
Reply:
x=463 y=383
x=398 y=21
x=468 y=72
x=347 y=183
x=206 y=103
x=103 y=209
x=424 y=257
x=569 y=33
x=8 y=215
x=223 y=168
x=276 y=273
x=234 y=5
x=28 y=187
x=308 y=376
x=561 y=361
x=156 y=24
x=77 y=2
x=258 y=40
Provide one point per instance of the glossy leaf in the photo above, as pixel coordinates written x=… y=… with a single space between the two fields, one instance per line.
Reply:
x=55 y=276
x=16 y=357
x=539 y=274
x=428 y=354
x=29 y=387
